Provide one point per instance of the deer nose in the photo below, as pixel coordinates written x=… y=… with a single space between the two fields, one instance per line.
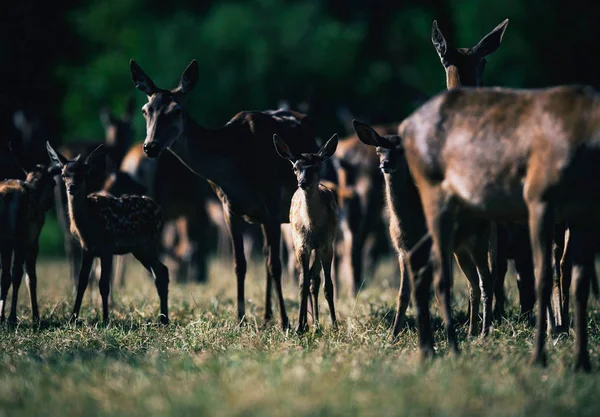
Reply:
x=151 y=149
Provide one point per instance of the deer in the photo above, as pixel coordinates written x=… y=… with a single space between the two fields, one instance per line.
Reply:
x=240 y=164
x=23 y=204
x=118 y=139
x=507 y=154
x=105 y=225
x=313 y=220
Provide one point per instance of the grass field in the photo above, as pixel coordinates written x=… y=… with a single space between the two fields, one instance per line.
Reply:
x=204 y=364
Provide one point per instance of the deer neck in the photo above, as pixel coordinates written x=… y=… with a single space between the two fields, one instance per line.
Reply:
x=78 y=224
x=312 y=201
x=407 y=221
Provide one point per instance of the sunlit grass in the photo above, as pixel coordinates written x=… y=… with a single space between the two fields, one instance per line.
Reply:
x=205 y=364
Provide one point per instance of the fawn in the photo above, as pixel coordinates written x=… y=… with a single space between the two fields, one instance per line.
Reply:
x=314 y=219
x=106 y=225
x=22 y=208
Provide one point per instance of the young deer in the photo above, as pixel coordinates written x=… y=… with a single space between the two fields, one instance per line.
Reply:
x=240 y=164
x=105 y=226
x=23 y=205
x=314 y=220
x=539 y=171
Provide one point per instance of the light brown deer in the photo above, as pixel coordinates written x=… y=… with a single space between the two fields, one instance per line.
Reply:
x=240 y=164
x=105 y=225
x=23 y=205
x=503 y=154
x=314 y=221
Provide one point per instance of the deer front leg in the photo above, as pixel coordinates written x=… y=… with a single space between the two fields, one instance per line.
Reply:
x=30 y=269
x=421 y=278
x=467 y=266
x=17 y=278
x=106 y=262
x=235 y=226
x=272 y=234
x=315 y=283
x=84 y=275
x=328 y=284
x=303 y=260
x=403 y=294
x=5 y=280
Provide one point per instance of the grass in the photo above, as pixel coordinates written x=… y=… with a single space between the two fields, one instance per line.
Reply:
x=205 y=364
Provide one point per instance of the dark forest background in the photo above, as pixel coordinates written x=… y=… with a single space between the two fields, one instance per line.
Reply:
x=62 y=60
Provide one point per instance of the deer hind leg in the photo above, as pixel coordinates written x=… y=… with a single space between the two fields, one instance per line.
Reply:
x=540 y=228
x=30 y=268
x=315 y=284
x=326 y=262
x=235 y=226
x=150 y=260
x=421 y=277
x=403 y=293
x=106 y=263
x=304 y=282
x=5 y=279
x=82 y=282
x=467 y=266
x=525 y=278
x=17 y=278
x=272 y=234
x=501 y=268
x=583 y=270
x=480 y=253
x=566 y=272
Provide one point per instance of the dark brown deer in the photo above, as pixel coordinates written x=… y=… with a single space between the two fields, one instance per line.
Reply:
x=105 y=225
x=503 y=154
x=23 y=205
x=240 y=164
x=118 y=140
x=314 y=221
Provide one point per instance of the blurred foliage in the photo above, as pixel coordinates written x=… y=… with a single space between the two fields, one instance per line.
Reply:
x=65 y=59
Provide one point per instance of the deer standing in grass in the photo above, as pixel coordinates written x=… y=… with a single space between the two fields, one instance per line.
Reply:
x=23 y=205
x=105 y=225
x=314 y=220
x=240 y=164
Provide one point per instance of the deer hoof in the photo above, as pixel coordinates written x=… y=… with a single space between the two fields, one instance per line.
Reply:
x=301 y=329
x=539 y=359
x=285 y=324
x=12 y=319
x=164 y=320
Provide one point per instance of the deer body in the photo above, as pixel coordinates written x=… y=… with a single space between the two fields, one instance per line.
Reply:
x=503 y=154
x=22 y=213
x=238 y=161
x=105 y=225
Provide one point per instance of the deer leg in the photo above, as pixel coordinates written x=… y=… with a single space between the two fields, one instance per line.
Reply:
x=328 y=284
x=566 y=271
x=583 y=267
x=540 y=228
x=525 y=280
x=106 y=263
x=120 y=270
x=269 y=285
x=30 y=268
x=151 y=262
x=501 y=267
x=234 y=223
x=82 y=282
x=403 y=293
x=315 y=284
x=5 y=279
x=272 y=235
x=421 y=276
x=303 y=260
x=467 y=266
x=17 y=278
x=486 y=281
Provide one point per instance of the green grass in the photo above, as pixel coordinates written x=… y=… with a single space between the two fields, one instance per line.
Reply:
x=204 y=364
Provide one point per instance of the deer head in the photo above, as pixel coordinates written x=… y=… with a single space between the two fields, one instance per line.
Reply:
x=389 y=148
x=119 y=132
x=164 y=111
x=464 y=66
x=307 y=166
x=75 y=171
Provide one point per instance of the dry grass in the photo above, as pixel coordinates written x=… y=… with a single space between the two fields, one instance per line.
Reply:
x=204 y=364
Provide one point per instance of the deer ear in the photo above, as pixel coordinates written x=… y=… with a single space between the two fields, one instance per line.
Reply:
x=96 y=155
x=106 y=117
x=367 y=134
x=329 y=148
x=283 y=149
x=189 y=78
x=141 y=80
x=438 y=40
x=491 y=41
x=55 y=157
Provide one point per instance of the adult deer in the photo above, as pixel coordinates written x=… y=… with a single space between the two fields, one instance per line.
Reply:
x=503 y=154
x=239 y=162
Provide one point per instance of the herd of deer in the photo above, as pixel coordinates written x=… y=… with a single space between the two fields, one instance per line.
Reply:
x=486 y=174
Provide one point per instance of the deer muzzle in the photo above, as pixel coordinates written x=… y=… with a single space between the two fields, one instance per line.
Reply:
x=152 y=149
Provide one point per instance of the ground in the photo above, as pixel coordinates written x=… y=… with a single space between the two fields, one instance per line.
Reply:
x=203 y=363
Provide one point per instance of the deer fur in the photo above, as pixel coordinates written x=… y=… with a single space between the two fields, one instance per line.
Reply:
x=240 y=164
x=23 y=205
x=508 y=155
x=313 y=220
x=105 y=225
